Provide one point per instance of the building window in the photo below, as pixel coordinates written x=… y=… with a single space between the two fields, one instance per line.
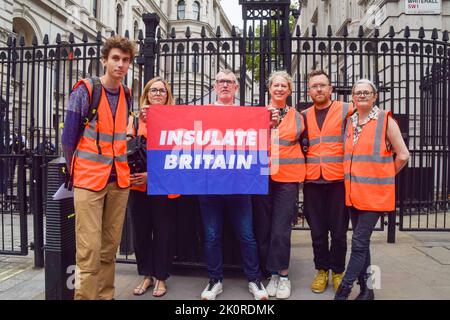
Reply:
x=119 y=18
x=195 y=64
x=95 y=8
x=196 y=10
x=179 y=101
x=179 y=64
x=181 y=9
x=136 y=30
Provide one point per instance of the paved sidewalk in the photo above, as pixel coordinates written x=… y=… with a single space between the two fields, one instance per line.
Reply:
x=416 y=267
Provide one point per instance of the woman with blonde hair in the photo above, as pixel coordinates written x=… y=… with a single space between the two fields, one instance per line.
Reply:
x=152 y=216
x=274 y=213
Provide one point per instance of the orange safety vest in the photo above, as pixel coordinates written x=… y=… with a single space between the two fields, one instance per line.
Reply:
x=369 y=167
x=142 y=131
x=92 y=162
x=325 y=153
x=287 y=163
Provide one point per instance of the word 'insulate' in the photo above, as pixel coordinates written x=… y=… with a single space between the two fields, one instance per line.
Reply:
x=211 y=137
x=207 y=161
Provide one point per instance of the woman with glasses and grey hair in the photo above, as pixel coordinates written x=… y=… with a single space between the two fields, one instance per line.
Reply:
x=371 y=139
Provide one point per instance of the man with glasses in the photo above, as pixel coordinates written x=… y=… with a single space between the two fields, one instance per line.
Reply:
x=237 y=208
x=324 y=193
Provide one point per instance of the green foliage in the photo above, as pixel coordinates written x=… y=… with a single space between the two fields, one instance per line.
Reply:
x=253 y=58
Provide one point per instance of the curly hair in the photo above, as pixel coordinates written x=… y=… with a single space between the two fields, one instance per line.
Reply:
x=121 y=43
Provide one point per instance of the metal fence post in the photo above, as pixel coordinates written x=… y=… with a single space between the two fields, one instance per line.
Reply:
x=2 y=124
x=391 y=227
x=151 y=21
x=38 y=214
x=21 y=196
x=2 y=145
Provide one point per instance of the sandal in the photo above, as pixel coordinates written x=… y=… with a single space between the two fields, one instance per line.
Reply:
x=159 y=291
x=141 y=288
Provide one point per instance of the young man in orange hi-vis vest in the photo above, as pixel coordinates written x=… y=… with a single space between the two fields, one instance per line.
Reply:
x=324 y=191
x=95 y=154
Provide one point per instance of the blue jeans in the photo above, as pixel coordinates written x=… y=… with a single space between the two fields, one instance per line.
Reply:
x=363 y=223
x=238 y=208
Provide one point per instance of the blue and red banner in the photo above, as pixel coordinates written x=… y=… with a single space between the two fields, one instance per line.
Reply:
x=207 y=150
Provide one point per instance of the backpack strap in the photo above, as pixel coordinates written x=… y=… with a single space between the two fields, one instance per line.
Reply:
x=95 y=96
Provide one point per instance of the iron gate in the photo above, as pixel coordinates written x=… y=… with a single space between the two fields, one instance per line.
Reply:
x=13 y=211
x=412 y=74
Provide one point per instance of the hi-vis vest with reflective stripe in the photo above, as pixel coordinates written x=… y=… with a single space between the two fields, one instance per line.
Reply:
x=287 y=163
x=369 y=167
x=92 y=162
x=325 y=153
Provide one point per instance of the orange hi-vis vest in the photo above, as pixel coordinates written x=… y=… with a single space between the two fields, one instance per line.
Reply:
x=287 y=163
x=325 y=154
x=102 y=144
x=142 y=131
x=369 y=167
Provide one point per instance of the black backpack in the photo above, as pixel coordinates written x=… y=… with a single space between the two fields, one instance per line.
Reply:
x=136 y=150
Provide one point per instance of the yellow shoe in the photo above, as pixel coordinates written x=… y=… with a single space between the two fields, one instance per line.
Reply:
x=320 y=282
x=337 y=279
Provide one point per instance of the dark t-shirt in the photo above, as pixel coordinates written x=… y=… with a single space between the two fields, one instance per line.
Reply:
x=321 y=114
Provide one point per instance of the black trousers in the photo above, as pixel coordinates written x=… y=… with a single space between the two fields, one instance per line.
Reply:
x=272 y=221
x=153 y=222
x=363 y=223
x=326 y=213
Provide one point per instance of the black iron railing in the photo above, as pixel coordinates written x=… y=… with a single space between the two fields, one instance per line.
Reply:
x=412 y=74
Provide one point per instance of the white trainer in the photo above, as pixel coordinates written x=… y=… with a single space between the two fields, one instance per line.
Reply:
x=211 y=291
x=258 y=290
x=284 y=288
x=273 y=285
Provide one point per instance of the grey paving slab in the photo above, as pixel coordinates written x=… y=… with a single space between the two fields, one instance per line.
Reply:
x=440 y=254
x=407 y=272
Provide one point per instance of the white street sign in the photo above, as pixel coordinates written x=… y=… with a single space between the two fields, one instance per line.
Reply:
x=423 y=6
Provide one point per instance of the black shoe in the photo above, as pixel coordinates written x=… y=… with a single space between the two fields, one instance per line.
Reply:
x=342 y=292
x=365 y=293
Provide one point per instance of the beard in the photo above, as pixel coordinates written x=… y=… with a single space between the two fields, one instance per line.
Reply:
x=319 y=99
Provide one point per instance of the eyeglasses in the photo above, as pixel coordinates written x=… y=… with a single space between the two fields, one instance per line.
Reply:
x=362 y=93
x=318 y=86
x=222 y=82
x=154 y=91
